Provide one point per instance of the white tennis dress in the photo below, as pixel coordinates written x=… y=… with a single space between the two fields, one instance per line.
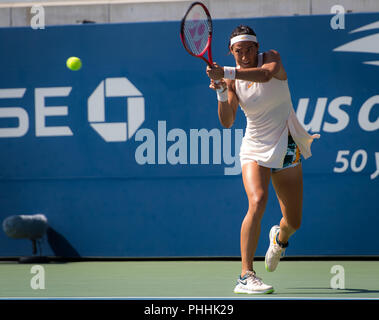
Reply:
x=270 y=115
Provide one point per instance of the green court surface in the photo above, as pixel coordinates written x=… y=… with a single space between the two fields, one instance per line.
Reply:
x=187 y=279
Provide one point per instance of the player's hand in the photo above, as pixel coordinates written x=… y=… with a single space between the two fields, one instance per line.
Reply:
x=220 y=85
x=216 y=72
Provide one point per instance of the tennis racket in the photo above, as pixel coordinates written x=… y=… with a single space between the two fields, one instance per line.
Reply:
x=196 y=32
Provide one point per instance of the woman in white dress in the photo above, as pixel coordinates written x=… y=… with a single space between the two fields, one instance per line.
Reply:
x=271 y=148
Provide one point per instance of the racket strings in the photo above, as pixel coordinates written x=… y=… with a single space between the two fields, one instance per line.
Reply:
x=196 y=31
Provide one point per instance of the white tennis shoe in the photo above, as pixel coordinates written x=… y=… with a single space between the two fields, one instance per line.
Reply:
x=251 y=284
x=274 y=252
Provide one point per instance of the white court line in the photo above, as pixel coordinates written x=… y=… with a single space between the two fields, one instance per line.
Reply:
x=184 y=298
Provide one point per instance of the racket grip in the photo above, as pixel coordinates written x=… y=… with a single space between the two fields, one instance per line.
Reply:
x=217 y=82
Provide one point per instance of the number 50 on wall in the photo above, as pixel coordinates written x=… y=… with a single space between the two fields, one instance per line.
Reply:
x=357 y=162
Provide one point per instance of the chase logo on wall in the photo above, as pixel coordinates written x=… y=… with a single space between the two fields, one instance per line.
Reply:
x=109 y=131
x=135 y=103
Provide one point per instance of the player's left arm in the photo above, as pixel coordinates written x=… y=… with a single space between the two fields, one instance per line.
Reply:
x=273 y=64
x=272 y=67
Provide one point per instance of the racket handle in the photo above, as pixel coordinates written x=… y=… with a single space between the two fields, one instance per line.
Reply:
x=217 y=82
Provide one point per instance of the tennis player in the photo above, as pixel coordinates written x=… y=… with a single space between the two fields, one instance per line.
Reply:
x=270 y=149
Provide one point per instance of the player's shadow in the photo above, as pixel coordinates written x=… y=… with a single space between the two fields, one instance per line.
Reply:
x=314 y=290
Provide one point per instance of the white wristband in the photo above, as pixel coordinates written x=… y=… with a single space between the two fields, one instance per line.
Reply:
x=230 y=73
x=222 y=94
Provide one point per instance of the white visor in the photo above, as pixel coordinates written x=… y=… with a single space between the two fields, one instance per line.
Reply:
x=243 y=37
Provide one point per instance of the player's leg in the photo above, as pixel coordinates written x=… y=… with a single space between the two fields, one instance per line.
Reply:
x=256 y=180
x=288 y=185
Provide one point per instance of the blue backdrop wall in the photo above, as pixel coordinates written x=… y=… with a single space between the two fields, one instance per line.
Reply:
x=126 y=156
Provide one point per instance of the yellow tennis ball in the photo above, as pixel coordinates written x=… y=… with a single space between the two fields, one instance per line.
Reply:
x=74 y=63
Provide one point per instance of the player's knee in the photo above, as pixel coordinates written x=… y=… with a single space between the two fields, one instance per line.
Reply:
x=257 y=201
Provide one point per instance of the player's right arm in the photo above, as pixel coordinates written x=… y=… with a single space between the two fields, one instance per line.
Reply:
x=226 y=109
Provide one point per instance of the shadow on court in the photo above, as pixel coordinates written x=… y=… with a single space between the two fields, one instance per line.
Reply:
x=317 y=290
